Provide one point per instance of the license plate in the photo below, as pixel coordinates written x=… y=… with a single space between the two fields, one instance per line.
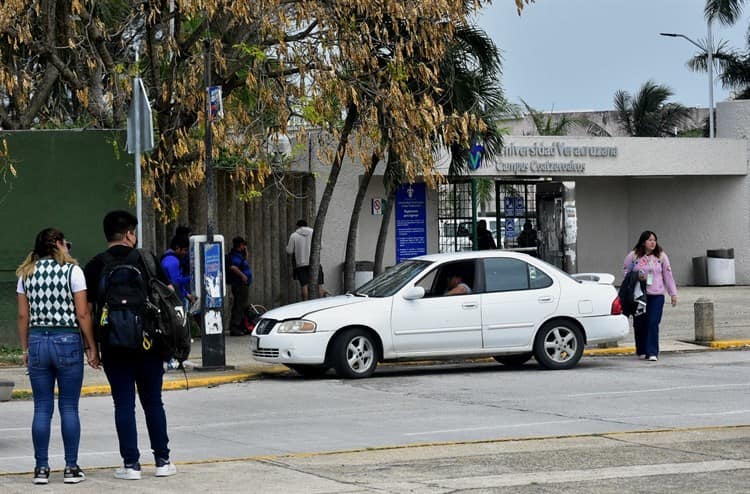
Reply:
x=253 y=343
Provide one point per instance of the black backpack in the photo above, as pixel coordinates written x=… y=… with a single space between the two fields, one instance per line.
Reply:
x=170 y=331
x=124 y=313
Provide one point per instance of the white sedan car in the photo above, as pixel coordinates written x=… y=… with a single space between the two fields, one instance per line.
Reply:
x=516 y=307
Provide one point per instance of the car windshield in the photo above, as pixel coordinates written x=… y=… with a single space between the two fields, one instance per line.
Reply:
x=392 y=280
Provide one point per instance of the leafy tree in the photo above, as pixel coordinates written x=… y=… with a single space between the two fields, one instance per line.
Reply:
x=647 y=113
x=467 y=73
x=469 y=84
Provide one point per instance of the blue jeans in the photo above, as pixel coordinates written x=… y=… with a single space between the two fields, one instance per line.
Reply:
x=55 y=356
x=646 y=327
x=144 y=371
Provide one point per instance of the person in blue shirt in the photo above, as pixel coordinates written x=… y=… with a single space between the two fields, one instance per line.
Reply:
x=239 y=277
x=172 y=261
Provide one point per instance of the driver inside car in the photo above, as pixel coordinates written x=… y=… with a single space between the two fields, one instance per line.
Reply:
x=457 y=286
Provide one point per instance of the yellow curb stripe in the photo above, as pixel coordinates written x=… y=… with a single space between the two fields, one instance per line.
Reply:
x=172 y=384
x=729 y=343
x=622 y=350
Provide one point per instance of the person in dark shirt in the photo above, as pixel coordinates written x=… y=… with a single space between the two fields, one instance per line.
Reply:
x=484 y=237
x=527 y=238
x=128 y=370
x=239 y=276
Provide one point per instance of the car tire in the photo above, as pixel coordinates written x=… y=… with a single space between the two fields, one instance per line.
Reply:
x=513 y=360
x=558 y=345
x=354 y=354
x=310 y=371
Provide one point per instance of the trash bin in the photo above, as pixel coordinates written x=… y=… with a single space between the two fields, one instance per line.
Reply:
x=363 y=271
x=6 y=390
x=700 y=271
x=720 y=267
x=720 y=271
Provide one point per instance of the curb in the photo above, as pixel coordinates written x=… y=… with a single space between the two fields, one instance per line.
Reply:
x=174 y=384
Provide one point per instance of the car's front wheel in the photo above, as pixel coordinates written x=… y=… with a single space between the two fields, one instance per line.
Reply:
x=513 y=360
x=354 y=354
x=308 y=370
x=558 y=345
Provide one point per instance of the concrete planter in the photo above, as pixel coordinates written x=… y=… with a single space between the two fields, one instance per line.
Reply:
x=6 y=390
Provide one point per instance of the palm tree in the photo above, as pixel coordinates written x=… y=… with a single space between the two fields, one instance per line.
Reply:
x=647 y=114
x=546 y=125
x=726 y=12
x=733 y=67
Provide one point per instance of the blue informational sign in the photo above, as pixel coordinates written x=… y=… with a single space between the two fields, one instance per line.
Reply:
x=411 y=221
x=509 y=206
x=510 y=228
x=213 y=281
x=519 y=207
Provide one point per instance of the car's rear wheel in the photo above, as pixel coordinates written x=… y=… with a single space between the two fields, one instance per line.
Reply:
x=308 y=370
x=513 y=360
x=354 y=354
x=558 y=345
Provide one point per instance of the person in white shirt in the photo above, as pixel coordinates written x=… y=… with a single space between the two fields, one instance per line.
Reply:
x=299 y=246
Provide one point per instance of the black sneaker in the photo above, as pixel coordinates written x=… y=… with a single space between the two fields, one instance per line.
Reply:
x=41 y=475
x=73 y=475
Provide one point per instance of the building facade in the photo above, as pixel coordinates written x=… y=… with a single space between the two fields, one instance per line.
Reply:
x=693 y=192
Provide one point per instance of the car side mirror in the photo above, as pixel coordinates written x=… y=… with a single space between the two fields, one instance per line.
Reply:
x=414 y=293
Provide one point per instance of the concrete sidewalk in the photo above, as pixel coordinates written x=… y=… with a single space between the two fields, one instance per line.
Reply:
x=731 y=315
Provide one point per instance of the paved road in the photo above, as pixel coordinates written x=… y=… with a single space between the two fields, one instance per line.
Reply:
x=714 y=460
x=284 y=414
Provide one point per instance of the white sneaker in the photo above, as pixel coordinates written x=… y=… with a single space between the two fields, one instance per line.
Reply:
x=128 y=473
x=653 y=358
x=166 y=470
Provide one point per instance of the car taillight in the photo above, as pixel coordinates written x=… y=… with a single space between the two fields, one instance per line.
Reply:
x=616 y=307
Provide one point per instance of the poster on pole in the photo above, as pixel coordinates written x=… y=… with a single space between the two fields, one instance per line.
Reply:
x=197 y=286
x=213 y=323
x=216 y=105
x=411 y=221
x=213 y=276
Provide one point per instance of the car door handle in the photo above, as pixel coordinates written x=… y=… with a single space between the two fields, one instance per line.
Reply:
x=546 y=299
x=470 y=305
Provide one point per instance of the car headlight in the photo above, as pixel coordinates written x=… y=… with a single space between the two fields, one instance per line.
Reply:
x=296 y=326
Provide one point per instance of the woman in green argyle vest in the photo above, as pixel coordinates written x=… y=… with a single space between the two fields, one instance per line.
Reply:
x=52 y=316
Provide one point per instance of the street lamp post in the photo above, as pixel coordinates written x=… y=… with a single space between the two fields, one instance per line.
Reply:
x=709 y=49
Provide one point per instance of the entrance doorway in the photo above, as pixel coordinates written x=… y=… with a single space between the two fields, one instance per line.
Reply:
x=522 y=215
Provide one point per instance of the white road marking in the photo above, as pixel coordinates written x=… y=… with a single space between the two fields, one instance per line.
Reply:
x=563 y=476
x=661 y=390
x=493 y=427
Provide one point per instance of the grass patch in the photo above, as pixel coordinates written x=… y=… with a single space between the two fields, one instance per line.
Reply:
x=10 y=356
x=22 y=395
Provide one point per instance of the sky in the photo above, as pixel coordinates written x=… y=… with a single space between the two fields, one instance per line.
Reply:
x=567 y=55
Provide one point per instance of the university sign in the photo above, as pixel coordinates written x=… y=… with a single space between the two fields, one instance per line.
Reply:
x=544 y=158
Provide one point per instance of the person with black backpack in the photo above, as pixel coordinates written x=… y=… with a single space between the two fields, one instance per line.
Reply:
x=120 y=282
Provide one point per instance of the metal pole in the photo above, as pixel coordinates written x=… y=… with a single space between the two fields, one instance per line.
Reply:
x=474 y=241
x=138 y=179
x=710 y=50
x=210 y=187
x=137 y=164
x=213 y=346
